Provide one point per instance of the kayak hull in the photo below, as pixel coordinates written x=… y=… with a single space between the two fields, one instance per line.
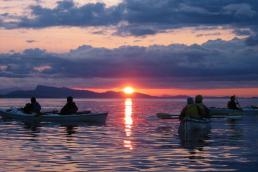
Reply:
x=192 y=123
x=193 y=131
x=16 y=114
x=251 y=110
x=230 y=114
x=224 y=112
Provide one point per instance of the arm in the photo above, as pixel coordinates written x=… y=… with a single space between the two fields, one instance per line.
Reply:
x=75 y=107
x=63 y=110
x=203 y=110
x=207 y=111
x=182 y=114
x=38 y=107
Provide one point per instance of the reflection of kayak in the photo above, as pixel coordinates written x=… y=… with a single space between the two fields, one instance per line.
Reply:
x=17 y=114
x=167 y=116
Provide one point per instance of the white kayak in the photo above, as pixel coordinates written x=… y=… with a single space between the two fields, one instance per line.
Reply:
x=225 y=111
x=232 y=114
x=213 y=111
x=80 y=117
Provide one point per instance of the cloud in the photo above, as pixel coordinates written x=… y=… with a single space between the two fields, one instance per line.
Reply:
x=243 y=31
x=3 y=67
x=252 y=40
x=42 y=68
x=66 y=13
x=231 y=64
x=31 y=41
x=170 y=14
x=141 y=17
x=239 y=10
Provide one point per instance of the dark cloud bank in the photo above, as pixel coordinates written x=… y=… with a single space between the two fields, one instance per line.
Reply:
x=215 y=64
x=142 y=17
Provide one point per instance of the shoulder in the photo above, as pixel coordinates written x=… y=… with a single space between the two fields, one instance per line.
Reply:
x=201 y=106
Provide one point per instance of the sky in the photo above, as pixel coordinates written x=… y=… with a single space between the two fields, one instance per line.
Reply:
x=160 y=47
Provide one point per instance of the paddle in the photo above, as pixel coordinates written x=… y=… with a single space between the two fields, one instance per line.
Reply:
x=167 y=116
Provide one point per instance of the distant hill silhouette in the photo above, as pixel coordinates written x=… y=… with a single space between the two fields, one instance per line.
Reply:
x=42 y=91
x=55 y=92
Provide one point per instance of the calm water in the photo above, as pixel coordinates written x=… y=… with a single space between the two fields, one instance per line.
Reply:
x=132 y=139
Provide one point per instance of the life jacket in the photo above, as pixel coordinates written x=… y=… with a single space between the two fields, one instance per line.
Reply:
x=203 y=110
x=192 y=111
x=232 y=105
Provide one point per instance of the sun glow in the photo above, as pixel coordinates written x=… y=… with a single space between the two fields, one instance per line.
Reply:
x=128 y=90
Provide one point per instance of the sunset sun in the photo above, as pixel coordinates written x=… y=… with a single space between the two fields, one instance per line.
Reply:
x=128 y=90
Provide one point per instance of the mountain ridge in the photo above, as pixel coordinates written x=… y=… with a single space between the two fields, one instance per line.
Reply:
x=42 y=91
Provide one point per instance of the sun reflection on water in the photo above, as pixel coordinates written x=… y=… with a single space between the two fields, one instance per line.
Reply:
x=128 y=121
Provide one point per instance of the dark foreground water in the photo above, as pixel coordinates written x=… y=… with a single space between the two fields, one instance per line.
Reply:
x=133 y=139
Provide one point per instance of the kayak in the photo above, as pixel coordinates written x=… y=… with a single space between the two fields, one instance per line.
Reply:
x=17 y=114
x=192 y=124
x=224 y=112
x=234 y=117
x=191 y=130
x=251 y=110
x=167 y=116
x=231 y=114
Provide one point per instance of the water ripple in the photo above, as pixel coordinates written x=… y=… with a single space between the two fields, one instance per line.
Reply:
x=133 y=139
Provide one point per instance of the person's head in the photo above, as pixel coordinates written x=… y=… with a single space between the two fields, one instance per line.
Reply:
x=233 y=97
x=33 y=99
x=198 y=99
x=190 y=100
x=69 y=99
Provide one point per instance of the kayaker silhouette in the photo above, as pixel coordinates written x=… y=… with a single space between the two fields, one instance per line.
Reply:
x=232 y=103
x=70 y=107
x=33 y=107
